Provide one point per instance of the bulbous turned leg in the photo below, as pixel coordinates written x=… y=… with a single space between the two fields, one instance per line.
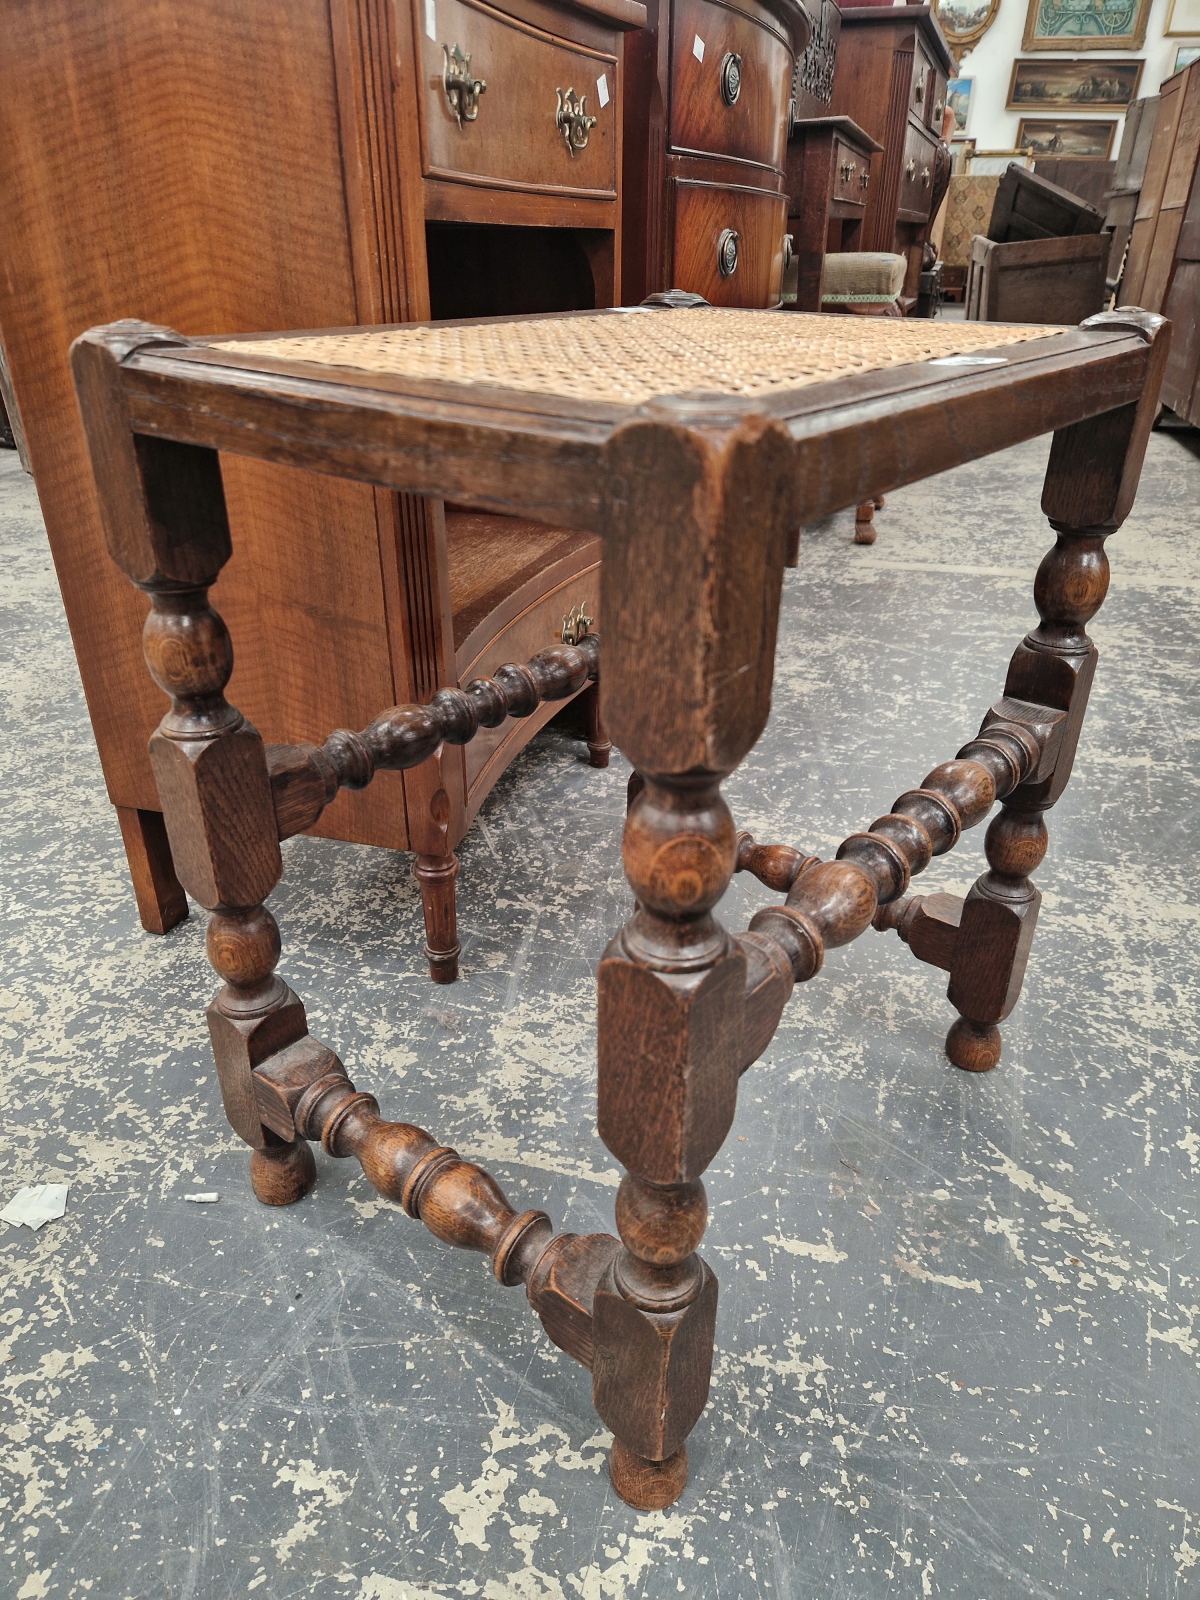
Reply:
x=864 y=526
x=647 y=1485
x=598 y=743
x=436 y=875
x=281 y=1174
x=995 y=933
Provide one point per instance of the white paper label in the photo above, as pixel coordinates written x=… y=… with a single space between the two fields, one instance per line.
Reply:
x=969 y=361
x=698 y=47
x=431 y=19
x=602 y=90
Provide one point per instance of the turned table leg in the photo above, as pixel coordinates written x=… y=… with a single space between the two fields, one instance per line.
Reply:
x=598 y=743
x=436 y=875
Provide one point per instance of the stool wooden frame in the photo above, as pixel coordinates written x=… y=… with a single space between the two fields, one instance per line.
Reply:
x=693 y=496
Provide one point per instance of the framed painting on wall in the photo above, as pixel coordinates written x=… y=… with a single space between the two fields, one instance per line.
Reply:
x=964 y=22
x=1082 y=84
x=1183 y=17
x=1088 y=24
x=1057 y=138
x=1185 y=55
x=958 y=99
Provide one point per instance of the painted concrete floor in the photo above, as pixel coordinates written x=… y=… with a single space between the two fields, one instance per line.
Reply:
x=959 y=1325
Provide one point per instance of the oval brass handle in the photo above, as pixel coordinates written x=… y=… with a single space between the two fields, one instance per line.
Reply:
x=571 y=119
x=727 y=252
x=910 y=171
x=731 y=77
x=462 y=90
x=925 y=177
x=789 y=251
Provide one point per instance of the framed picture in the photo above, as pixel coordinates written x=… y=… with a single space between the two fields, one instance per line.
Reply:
x=964 y=22
x=1091 y=24
x=1185 y=55
x=958 y=99
x=1183 y=17
x=995 y=163
x=1056 y=138
x=961 y=151
x=1083 y=84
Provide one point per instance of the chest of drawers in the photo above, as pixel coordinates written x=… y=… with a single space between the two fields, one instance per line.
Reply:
x=218 y=165
x=706 y=122
x=892 y=70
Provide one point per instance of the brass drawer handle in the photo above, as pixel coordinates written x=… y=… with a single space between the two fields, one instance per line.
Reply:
x=571 y=119
x=864 y=178
x=919 y=93
x=939 y=111
x=727 y=252
x=848 y=169
x=731 y=77
x=789 y=251
x=925 y=177
x=462 y=90
x=910 y=171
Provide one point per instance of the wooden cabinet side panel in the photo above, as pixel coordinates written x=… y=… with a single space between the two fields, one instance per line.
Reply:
x=178 y=163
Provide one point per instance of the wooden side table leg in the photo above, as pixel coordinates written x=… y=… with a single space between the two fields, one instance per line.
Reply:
x=436 y=875
x=161 y=902
x=864 y=520
x=1090 y=485
x=598 y=743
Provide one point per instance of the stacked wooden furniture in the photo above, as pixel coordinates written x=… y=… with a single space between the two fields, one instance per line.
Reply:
x=222 y=166
x=1122 y=197
x=1088 y=180
x=893 y=66
x=1162 y=270
x=692 y=500
x=828 y=167
x=1044 y=257
x=708 y=85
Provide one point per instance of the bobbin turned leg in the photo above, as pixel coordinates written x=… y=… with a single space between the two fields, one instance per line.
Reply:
x=598 y=743
x=1090 y=485
x=436 y=875
x=688 y=696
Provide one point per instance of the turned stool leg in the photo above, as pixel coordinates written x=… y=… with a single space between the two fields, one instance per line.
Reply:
x=598 y=743
x=436 y=875
x=1091 y=480
x=864 y=520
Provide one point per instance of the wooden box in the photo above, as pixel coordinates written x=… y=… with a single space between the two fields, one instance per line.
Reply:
x=1058 y=281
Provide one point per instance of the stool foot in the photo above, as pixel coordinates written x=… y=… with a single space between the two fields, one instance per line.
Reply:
x=864 y=531
x=281 y=1174
x=647 y=1485
x=598 y=743
x=973 y=1046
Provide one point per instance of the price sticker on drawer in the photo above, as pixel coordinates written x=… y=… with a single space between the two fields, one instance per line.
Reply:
x=602 y=90
x=698 y=47
x=431 y=20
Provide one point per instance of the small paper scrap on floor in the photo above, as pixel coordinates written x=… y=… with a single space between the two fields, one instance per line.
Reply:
x=36 y=1204
x=208 y=1199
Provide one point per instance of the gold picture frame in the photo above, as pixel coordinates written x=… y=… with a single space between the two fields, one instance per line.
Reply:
x=1089 y=140
x=1077 y=83
x=1183 y=20
x=974 y=18
x=1047 y=22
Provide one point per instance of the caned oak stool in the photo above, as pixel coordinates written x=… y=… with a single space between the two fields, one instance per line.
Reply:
x=691 y=441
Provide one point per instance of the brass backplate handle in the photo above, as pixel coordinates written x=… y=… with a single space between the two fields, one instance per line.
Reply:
x=731 y=77
x=462 y=90
x=910 y=171
x=571 y=119
x=576 y=623
x=727 y=252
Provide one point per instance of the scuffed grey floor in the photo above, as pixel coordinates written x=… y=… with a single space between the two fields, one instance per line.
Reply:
x=959 y=1324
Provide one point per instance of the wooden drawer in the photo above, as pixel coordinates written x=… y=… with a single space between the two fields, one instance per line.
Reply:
x=916 y=175
x=850 y=169
x=702 y=216
x=754 y=127
x=533 y=629
x=514 y=141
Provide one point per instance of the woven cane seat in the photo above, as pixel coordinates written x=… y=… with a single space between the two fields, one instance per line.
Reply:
x=629 y=357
